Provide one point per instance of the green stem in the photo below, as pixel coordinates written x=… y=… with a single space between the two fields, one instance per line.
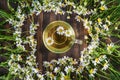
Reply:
x=103 y=76
x=117 y=7
x=8 y=76
x=110 y=2
x=8 y=3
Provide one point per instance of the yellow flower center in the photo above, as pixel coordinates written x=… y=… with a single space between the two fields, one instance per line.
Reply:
x=105 y=64
x=78 y=17
x=60 y=12
x=99 y=20
x=97 y=29
x=14 y=57
x=68 y=32
x=91 y=71
x=80 y=68
x=89 y=31
x=60 y=30
x=109 y=47
x=102 y=8
x=106 y=26
x=97 y=59
x=63 y=5
x=49 y=41
x=66 y=77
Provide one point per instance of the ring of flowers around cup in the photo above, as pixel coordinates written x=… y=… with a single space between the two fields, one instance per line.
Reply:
x=94 y=26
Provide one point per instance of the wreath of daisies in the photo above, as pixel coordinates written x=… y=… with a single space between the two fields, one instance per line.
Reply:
x=93 y=59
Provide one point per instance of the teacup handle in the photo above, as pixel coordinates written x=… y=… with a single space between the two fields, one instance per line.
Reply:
x=78 y=41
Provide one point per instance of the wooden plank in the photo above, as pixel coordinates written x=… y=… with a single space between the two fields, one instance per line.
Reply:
x=50 y=54
x=82 y=35
x=39 y=55
x=4 y=6
x=62 y=18
x=46 y=20
x=76 y=47
x=69 y=53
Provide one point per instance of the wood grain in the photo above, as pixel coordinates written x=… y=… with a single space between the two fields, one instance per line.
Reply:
x=79 y=32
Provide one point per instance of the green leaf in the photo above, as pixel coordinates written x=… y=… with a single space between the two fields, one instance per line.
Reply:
x=8 y=38
x=2 y=77
x=4 y=14
x=114 y=75
x=118 y=1
x=3 y=64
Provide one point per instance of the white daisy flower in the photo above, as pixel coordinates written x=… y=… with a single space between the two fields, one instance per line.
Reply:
x=102 y=57
x=102 y=2
x=20 y=46
x=10 y=62
x=78 y=18
x=68 y=33
x=97 y=29
x=108 y=21
x=62 y=76
x=99 y=21
x=104 y=7
x=61 y=4
x=29 y=62
x=105 y=27
x=92 y=72
x=19 y=57
x=46 y=64
x=40 y=76
x=69 y=12
x=49 y=41
x=109 y=47
x=69 y=69
x=60 y=30
x=105 y=65
x=13 y=57
x=35 y=70
x=87 y=24
x=61 y=61
x=80 y=69
x=57 y=69
x=59 y=11
x=50 y=74
x=96 y=61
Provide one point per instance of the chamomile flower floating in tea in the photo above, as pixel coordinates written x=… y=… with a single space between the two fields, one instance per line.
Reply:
x=49 y=41
x=60 y=30
x=68 y=33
